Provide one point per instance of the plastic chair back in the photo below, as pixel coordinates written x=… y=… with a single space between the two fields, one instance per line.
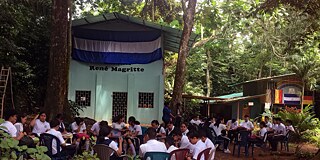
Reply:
x=212 y=153
x=244 y=137
x=156 y=156
x=179 y=154
x=46 y=139
x=286 y=138
x=204 y=153
x=103 y=151
x=265 y=136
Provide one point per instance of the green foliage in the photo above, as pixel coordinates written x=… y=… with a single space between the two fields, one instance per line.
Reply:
x=305 y=123
x=9 y=149
x=24 y=37
x=313 y=136
x=86 y=156
x=74 y=108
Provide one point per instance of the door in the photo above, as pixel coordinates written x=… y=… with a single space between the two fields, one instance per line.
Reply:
x=119 y=104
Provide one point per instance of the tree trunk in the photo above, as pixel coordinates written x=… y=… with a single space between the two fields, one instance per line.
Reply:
x=302 y=95
x=179 y=79
x=59 y=59
x=208 y=80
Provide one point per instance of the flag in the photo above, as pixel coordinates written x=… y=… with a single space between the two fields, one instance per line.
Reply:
x=115 y=47
x=278 y=96
x=293 y=99
x=307 y=100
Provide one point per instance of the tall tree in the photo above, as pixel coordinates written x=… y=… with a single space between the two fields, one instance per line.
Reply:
x=59 y=59
x=306 y=63
x=188 y=18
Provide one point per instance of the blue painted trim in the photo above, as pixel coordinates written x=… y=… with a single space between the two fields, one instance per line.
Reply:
x=116 y=58
x=116 y=36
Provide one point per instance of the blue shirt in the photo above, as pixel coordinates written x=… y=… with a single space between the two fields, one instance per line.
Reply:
x=166 y=113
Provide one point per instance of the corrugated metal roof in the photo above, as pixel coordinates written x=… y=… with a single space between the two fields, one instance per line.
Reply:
x=231 y=100
x=233 y=95
x=172 y=36
x=265 y=79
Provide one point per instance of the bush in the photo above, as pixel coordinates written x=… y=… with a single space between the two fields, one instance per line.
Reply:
x=305 y=123
x=9 y=149
x=302 y=121
x=86 y=156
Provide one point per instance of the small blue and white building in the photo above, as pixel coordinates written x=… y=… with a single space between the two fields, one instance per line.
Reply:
x=117 y=66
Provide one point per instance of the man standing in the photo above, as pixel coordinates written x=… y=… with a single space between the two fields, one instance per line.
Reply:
x=167 y=115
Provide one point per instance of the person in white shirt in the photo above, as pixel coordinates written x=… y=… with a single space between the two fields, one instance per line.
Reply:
x=96 y=127
x=79 y=129
x=263 y=130
x=181 y=141
x=10 y=118
x=135 y=131
x=169 y=142
x=207 y=142
x=104 y=134
x=195 y=120
x=21 y=121
x=289 y=127
x=281 y=128
x=218 y=128
x=199 y=146
x=78 y=126
x=268 y=123
x=184 y=129
x=151 y=145
x=40 y=125
x=118 y=123
x=247 y=123
x=161 y=132
x=62 y=127
x=279 y=134
x=232 y=126
x=170 y=129
x=259 y=137
x=65 y=150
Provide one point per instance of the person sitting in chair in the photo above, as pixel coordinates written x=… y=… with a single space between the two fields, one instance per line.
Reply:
x=151 y=145
x=104 y=134
x=65 y=149
x=161 y=132
x=247 y=123
x=39 y=124
x=10 y=118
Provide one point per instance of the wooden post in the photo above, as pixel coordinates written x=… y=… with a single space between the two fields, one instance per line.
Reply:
x=208 y=108
x=238 y=112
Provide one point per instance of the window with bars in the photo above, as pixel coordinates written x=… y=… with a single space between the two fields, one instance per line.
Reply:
x=146 y=100
x=119 y=104
x=83 y=98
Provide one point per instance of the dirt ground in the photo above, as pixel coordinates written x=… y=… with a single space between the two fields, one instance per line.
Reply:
x=260 y=154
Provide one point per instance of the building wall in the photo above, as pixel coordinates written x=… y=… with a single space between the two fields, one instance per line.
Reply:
x=255 y=110
x=102 y=81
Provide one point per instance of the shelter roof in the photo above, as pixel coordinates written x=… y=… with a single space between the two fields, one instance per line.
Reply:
x=272 y=78
x=200 y=97
x=232 y=95
x=172 y=36
x=230 y=100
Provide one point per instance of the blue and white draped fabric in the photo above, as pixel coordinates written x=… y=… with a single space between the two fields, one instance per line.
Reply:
x=292 y=99
x=115 y=47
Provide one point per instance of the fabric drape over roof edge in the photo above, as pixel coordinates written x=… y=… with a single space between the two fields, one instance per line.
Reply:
x=172 y=36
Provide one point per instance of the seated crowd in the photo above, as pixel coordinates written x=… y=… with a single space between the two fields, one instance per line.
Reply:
x=196 y=135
